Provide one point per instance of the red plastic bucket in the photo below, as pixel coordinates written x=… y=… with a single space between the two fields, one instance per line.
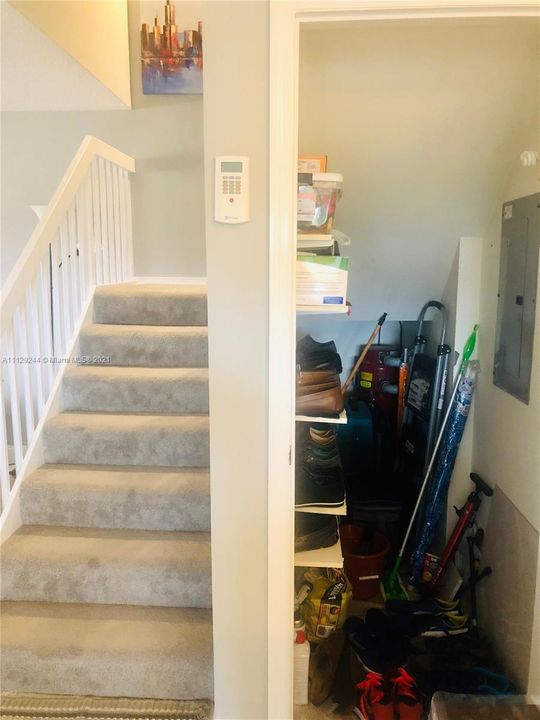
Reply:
x=364 y=571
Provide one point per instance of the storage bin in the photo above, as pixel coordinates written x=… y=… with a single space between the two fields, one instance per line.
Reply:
x=321 y=279
x=363 y=571
x=317 y=198
x=448 y=706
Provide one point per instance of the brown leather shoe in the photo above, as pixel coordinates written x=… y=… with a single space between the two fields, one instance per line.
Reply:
x=317 y=377
x=303 y=390
x=327 y=403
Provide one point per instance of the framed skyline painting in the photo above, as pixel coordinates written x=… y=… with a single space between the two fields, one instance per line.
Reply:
x=171 y=58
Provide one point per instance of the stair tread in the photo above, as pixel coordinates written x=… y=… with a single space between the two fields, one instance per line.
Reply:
x=137 y=373
x=58 y=544
x=163 y=631
x=145 y=330
x=127 y=438
x=164 y=479
x=158 y=290
x=107 y=650
x=122 y=496
x=145 y=345
x=104 y=388
x=127 y=421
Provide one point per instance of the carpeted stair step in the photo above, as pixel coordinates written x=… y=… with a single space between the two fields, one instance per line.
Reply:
x=111 y=567
x=141 y=304
x=117 y=497
x=126 y=439
x=108 y=650
x=135 y=389
x=144 y=345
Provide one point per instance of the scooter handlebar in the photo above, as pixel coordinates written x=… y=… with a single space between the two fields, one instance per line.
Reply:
x=481 y=485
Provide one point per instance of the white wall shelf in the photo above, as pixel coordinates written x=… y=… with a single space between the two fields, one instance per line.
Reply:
x=322 y=309
x=339 y=510
x=329 y=557
x=341 y=420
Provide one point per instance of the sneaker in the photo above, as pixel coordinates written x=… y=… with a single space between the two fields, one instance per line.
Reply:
x=319 y=489
x=377 y=645
x=407 y=701
x=375 y=701
x=426 y=606
x=435 y=626
x=314 y=531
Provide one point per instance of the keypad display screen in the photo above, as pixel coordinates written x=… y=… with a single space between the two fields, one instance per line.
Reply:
x=231 y=167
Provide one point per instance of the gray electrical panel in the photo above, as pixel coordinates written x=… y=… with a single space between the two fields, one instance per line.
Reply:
x=518 y=281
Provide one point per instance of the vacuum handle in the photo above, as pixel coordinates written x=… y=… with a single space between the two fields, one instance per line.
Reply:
x=481 y=485
x=378 y=326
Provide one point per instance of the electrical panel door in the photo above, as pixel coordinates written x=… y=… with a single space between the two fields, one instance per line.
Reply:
x=518 y=286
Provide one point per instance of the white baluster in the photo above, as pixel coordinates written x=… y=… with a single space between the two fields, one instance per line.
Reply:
x=65 y=309
x=5 y=480
x=83 y=240
x=129 y=224
x=45 y=319
x=123 y=224
x=104 y=221
x=110 y=220
x=117 y=232
x=35 y=347
x=90 y=243
x=96 y=215
x=21 y=334
x=74 y=262
x=57 y=320
x=16 y=429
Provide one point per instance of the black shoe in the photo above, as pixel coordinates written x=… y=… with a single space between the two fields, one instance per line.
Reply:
x=324 y=489
x=313 y=355
x=314 y=531
x=316 y=462
x=376 y=642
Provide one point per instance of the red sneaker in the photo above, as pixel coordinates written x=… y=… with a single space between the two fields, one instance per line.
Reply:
x=374 y=699
x=406 y=697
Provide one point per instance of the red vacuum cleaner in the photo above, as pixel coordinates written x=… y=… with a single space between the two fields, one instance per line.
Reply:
x=466 y=516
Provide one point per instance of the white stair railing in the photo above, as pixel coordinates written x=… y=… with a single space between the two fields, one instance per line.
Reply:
x=83 y=239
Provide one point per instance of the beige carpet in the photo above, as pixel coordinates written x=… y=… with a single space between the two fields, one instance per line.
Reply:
x=71 y=707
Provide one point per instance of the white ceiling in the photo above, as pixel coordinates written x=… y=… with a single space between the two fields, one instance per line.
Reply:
x=38 y=75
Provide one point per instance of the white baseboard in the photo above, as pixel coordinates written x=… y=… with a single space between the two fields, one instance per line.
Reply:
x=173 y=280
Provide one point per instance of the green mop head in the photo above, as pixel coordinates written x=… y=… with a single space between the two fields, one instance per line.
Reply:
x=392 y=587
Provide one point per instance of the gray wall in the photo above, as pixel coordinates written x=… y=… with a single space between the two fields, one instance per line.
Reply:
x=424 y=120
x=163 y=133
x=236 y=122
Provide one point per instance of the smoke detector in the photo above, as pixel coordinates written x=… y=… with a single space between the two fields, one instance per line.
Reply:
x=528 y=158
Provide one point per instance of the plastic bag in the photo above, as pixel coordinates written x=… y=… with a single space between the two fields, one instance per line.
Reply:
x=326 y=607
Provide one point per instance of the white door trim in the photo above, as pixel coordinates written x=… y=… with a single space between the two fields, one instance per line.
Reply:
x=285 y=19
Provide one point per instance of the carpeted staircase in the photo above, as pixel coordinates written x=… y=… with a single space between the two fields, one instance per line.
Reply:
x=106 y=587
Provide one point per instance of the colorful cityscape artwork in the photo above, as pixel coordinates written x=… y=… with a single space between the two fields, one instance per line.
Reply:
x=172 y=59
